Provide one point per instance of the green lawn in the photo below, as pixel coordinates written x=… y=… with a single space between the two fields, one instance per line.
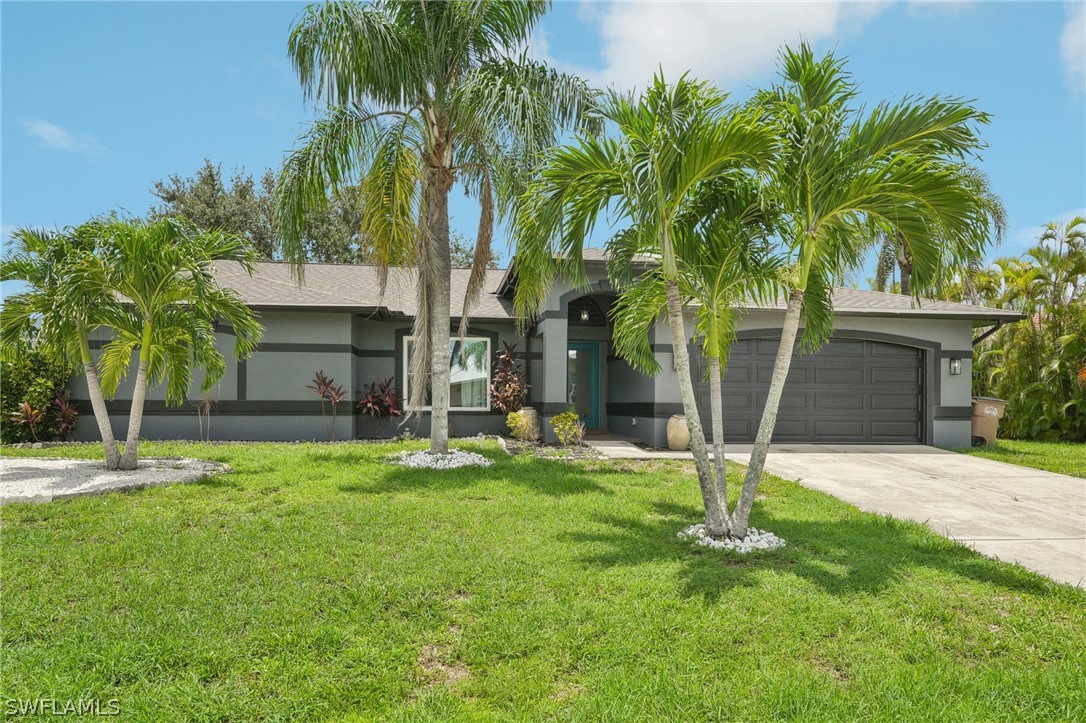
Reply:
x=317 y=582
x=1063 y=457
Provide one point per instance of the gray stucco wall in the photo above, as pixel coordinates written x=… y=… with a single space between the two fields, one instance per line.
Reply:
x=266 y=398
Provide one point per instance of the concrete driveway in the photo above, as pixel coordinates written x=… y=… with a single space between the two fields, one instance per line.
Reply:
x=1017 y=514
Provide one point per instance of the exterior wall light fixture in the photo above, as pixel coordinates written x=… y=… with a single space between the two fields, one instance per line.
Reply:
x=955 y=367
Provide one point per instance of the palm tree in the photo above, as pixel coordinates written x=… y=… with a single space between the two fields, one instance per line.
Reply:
x=840 y=173
x=164 y=274
x=59 y=308
x=959 y=280
x=724 y=258
x=672 y=144
x=422 y=95
x=1063 y=247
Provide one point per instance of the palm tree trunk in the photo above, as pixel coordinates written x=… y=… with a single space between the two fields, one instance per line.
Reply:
x=98 y=403
x=717 y=410
x=781 y=366
x=714 y=515
x=436 y=275
x=139 y=394
x=906 y=278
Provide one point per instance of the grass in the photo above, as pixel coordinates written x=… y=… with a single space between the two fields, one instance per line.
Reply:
x=318 y=583
x=1063 y=457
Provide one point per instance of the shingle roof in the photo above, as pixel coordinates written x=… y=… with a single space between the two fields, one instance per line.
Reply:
x=352 y=286
x=355 y=286
x=877 y=303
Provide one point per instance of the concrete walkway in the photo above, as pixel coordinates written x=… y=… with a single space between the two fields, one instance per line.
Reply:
x=1017 y=514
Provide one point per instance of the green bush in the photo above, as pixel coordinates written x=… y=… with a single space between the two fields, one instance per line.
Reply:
x=568 y=428
x=33 y=378
x=522 y=427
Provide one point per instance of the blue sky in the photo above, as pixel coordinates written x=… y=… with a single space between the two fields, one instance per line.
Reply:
x=100 y=100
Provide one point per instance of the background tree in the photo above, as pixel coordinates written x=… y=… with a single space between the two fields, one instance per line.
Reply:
x=670 y=146
x=245 y=207
x=164 y=273
x=60 y=309
x=421 y=96
x=1039 y=365
x=956 y=281
x=839 y=174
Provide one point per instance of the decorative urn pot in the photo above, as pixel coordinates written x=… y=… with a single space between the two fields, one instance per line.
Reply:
x=678 y=434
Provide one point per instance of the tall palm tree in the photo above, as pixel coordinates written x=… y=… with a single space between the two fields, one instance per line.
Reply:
x=841 y=172
x=420 y=96
x=163 y=273
x=59 y=307
x=724 y=258
x=671 y=144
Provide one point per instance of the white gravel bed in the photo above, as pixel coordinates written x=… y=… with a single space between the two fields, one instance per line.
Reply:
x=755 y=540
x=452 y=460
x=27 y=479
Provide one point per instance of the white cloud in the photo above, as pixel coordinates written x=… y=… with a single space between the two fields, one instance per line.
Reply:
x=1023 y=237
x=53 y=136
x=1073 y=47
x=727 y=42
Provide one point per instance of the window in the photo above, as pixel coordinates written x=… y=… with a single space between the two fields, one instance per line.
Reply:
x=469 y=373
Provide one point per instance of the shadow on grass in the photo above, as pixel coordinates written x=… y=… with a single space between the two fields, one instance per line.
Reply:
x=858 y=553
x=544 y=476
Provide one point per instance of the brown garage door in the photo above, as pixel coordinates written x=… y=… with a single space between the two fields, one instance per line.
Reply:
x=851 y=391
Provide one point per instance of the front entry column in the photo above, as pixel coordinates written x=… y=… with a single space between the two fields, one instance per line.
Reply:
x=554 y=333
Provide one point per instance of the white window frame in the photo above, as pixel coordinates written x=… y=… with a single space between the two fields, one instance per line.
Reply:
x=407 y=374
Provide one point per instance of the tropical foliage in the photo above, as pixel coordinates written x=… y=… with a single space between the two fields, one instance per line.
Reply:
x=164 y=273
x=674 y=148
x=508 y=390
x=380 y=400
x=331 y=395
x=568 y=428
x=419 y=97
x=840 y=175
x=30 y=376
x=1039 y=364
x=62 y=306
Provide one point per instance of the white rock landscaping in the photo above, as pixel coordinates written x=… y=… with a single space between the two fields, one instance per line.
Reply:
x=452 y=460
x=755 y=540
x=44 y=479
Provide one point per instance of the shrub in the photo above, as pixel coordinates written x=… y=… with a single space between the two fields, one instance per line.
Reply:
x=326 y=388
x=508 y=390
x=65 y=413
x=522 y=426
x=568 y=428
x=381 y=401
x=31 y=377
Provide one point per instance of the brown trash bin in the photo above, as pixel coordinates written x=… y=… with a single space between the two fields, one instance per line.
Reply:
x=987 y=411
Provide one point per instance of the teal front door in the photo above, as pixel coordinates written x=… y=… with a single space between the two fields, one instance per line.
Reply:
x=583 y=381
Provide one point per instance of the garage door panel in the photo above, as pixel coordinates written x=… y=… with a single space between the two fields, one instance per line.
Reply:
x=890 y=429
x=853 y=390
x=737 y=402
x=797 y=374
x=840 y=428
x=894 y=375
x=839 y=375
x=841 y=400
x=738 y=374
x=880 y=402
x=842 y=348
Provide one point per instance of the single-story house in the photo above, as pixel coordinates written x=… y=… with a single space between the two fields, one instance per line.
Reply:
x=895 y=372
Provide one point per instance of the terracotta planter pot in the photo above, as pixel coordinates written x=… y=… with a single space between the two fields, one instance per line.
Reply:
x=678 y=434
